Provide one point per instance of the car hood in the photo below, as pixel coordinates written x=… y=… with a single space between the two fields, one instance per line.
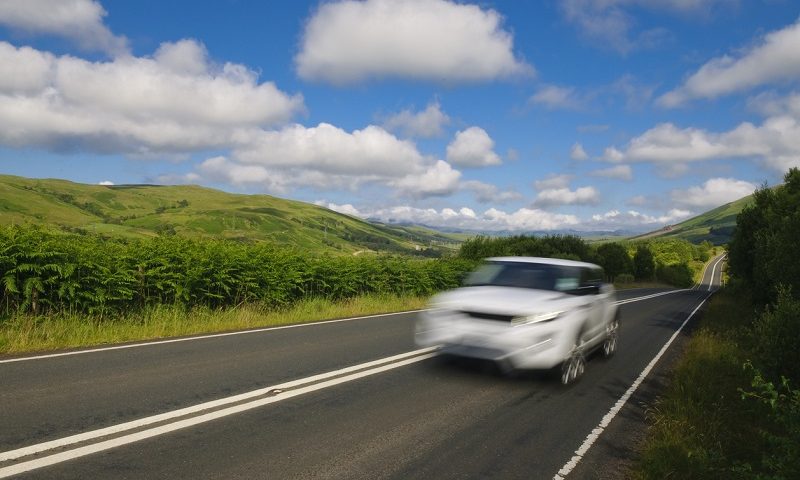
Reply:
x=505 y=300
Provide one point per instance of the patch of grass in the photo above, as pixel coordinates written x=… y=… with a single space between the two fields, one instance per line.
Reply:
x=701 y=427
x=27 y=333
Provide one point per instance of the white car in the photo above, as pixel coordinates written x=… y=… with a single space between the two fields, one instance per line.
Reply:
x=526 y=313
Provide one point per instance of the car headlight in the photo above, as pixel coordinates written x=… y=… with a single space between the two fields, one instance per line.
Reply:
x=536 y=318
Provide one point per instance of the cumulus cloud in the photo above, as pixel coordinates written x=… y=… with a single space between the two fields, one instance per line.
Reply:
x=175 y=101
x=349 y=41
x=713 y=193
x=770 y=104
x=438 y=180
x=554 y=97
x=327 y=148
x=565 y=196
x=632 y=219
x=776 y=142
x=775 y=59
x=620 y=172
x=347 y=208
x=427 y=123
x=577 y=153
x=472 y=147
x=106 y=183
x=77 y=20
x=524 y=219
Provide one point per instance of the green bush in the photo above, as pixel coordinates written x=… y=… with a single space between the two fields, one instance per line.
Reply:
x=776 y=333
x=678 y=274
x=46 y=272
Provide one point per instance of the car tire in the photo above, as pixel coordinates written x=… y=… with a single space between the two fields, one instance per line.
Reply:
x=574 y=365
x=611 y=341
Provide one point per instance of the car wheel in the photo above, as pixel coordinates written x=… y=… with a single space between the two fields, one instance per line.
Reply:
x=574 y=366
x=612 y=338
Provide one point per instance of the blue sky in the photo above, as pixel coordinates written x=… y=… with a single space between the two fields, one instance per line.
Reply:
x=493 y=115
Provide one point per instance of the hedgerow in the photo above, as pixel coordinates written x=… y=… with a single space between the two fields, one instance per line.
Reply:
x=44 y=272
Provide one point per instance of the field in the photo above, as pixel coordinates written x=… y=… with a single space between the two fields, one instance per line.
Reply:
x=715 y=226
x=141 y=211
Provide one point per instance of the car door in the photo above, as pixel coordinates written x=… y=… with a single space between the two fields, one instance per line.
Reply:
x=591 y=283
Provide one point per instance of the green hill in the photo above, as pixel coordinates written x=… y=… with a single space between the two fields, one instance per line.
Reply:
x=193 y=211
x=716 y=225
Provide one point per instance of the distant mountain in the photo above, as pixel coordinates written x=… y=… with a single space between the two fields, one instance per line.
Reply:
x=193 y=211
x=716 y=225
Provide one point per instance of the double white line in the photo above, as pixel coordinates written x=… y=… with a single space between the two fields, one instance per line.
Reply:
x=197 y=414
x=79 y=445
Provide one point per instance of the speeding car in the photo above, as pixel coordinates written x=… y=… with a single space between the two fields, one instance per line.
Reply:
x=526 y=313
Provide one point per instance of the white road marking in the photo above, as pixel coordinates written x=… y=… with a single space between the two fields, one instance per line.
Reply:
x=364 y=370
x=201 y=337
x=647 y=297
x=713 y=271
x=595 y=434
x=241 y=332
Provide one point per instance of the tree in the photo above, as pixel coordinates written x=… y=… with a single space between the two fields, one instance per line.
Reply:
x=763 y=250
x=614 y=259
x=644 y=265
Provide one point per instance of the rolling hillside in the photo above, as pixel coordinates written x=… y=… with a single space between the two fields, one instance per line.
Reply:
x=148 y=210
x=716 y=225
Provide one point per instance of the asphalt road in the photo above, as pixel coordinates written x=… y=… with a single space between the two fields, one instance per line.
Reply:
x=416 y=416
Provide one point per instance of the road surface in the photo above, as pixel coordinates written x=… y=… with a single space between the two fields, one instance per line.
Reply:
x=342 y=399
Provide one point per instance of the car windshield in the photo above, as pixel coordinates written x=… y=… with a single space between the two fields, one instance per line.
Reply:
x=538 y=276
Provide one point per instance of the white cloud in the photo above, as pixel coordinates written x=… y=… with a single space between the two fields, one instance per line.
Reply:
x=620 y=172
x=632 y=219
x=775 y=59
x=327 y=148
x=565 y=196
x=553 y=182
x=713 y=193
x=78 y=20
x=770 y=104
x=524 y=219
x=472 y=147
x=106 y=183
x=577 y=153
x=438 y=180
x=349 y=41
x=175 y=101
x=776 y=142
x=347 y=208
x=554 y=97
x=425 y=124
x=488 y=193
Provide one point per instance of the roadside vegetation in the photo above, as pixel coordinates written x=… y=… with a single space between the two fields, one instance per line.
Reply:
x=732 y=409
x=60 y=290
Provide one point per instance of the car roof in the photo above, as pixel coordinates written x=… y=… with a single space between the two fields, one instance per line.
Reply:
x=547 y=261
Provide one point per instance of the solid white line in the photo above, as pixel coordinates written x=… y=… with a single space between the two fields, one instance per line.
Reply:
x=114 y=429
x=647 y=297
x=713 y=271
x=595 y=434
x=171 y=427
x=201 y=337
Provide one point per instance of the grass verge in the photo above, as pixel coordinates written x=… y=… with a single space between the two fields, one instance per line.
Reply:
x=702 y=427
x=27 y=333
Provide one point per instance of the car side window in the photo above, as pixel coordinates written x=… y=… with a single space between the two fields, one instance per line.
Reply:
x=591 y=280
